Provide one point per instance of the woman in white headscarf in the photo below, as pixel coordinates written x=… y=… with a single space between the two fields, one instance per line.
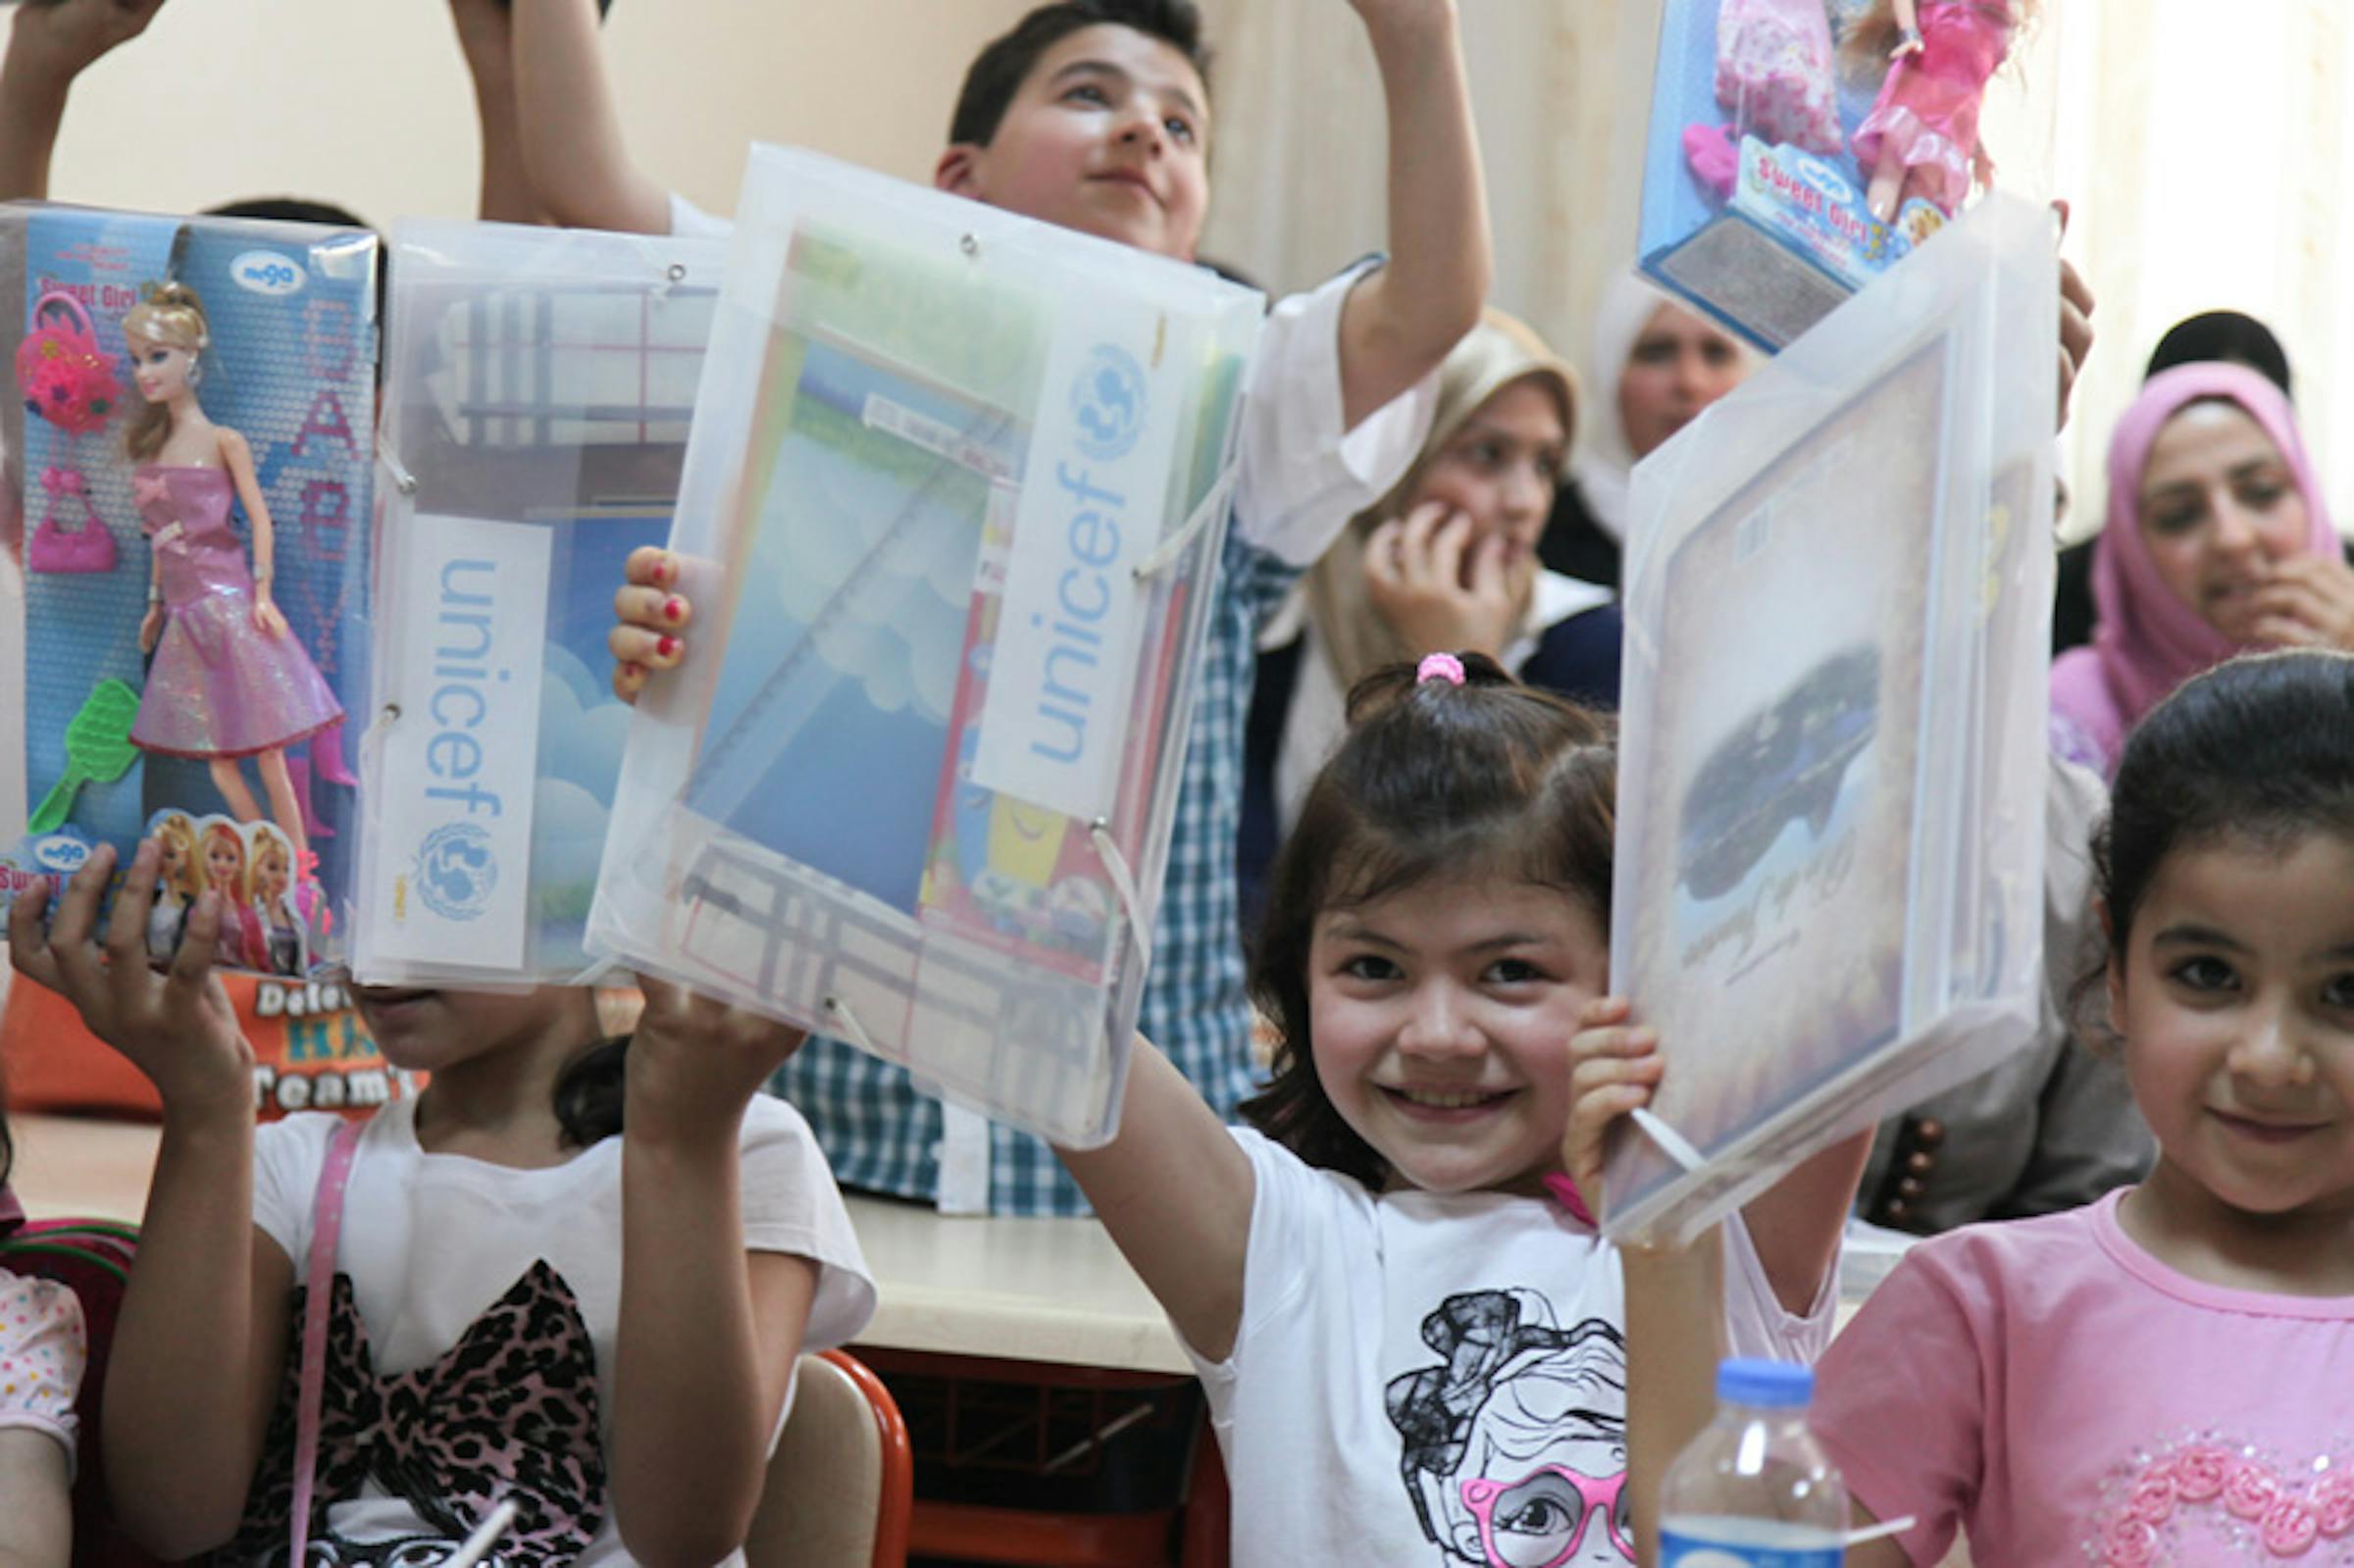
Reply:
x=1444 y=563
x=1654 y=365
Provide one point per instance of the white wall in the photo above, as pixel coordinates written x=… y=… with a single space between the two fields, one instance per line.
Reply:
x=366 y=102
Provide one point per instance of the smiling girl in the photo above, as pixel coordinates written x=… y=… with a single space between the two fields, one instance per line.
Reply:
x=2156 y=1378
x=1446 y=560
x=1411 y=1332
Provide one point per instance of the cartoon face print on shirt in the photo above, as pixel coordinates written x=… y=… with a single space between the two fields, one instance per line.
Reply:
x=401 y=1550
x=511 y=1410
x=1514 y=1452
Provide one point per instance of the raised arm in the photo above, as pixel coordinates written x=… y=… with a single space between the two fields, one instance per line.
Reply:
x=486 y=36
x=1175 y=1191
x=569 y=128
x=200 y=1344
x=1405 y=316
x=709 y=1333
x=1675 y=1296
x=1795 y=1224
x=48 y=47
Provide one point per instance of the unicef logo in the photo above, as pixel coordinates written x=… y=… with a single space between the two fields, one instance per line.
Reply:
x=456 y=871
x=1107 y=402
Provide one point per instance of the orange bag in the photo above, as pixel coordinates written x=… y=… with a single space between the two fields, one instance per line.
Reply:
x=311 y=1054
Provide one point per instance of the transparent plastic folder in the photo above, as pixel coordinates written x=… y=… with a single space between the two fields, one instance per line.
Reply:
x=539 y=385
x=952 y=511
x=183 y=621
x=1769 y=119
x=1831 y=826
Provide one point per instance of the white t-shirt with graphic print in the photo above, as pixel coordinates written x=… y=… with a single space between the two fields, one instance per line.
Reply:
x=1439 y=1378
x=432 y=1241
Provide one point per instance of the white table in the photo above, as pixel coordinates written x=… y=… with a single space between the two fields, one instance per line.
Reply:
x=1051 y=1291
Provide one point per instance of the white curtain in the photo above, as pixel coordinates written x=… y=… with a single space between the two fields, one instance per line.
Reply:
x=2205 y=148
x=2202 y=148
x=1300 y=147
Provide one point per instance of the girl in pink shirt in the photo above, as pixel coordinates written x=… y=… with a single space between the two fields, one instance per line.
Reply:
x=2162 y=1377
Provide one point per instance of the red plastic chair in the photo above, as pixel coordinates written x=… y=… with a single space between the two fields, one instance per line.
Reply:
x=843 y=1444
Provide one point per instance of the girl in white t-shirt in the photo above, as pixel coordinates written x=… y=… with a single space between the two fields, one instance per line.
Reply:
x=1411 y=1336
x=2158 y=1377
x=534 y=1297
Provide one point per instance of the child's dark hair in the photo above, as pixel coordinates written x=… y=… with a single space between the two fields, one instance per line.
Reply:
x=2259 y=749
x=589 y=1093
x=1490 y=778
x=998 y=71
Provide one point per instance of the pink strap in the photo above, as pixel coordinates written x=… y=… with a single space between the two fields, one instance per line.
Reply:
x=1564 y=1192
x=327 y=1227
x=58 y=299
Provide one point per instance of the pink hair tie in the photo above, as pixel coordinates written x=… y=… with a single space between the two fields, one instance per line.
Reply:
x=1563 y=1190
x=1439 y=667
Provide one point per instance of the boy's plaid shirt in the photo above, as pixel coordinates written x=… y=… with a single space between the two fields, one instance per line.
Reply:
x=883 y=1136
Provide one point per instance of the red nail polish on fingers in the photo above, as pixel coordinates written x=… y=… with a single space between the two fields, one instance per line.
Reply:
x=662 y=572
x=673 y=608
x=667 y=646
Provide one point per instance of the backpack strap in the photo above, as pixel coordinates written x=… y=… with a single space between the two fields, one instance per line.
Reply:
x=327 y=1227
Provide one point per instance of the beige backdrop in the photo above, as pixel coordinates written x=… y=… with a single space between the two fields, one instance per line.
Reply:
x=366 y=102
x=2209 y=166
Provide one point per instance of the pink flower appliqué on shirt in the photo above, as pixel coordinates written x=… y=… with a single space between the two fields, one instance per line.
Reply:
x=2207 y=1486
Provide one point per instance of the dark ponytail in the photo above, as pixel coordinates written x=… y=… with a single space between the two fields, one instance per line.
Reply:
x=589 y=1093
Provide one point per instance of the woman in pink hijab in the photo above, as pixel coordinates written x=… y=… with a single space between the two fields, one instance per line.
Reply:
x=2218 y=541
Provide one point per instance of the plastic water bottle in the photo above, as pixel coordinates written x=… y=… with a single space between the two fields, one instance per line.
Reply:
x=1754 y=1489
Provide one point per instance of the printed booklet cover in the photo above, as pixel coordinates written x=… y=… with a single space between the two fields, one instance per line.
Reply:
x=951 y=500
x=1830 y=830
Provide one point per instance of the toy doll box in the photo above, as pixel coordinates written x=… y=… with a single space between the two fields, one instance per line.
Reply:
x=953 y=510
x=1831 y=826
x=539 y=385
x=222 y=734
x=1754 y=203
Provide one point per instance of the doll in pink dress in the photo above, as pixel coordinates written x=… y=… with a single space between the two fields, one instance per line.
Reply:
x=244 y=941
x=1773 y=75
x=1921 y=135
x=229 y=679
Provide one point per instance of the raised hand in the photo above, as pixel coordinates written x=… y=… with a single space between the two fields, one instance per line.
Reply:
x=652 y=621
x=65 y=37
x=2075 y=320
x=2308 y=602
x=177 y=1027
x=695 y=1063
x=1614 y=1065
x=1440 y=587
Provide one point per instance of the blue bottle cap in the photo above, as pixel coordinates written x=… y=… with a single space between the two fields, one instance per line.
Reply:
x=1774 y=1385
